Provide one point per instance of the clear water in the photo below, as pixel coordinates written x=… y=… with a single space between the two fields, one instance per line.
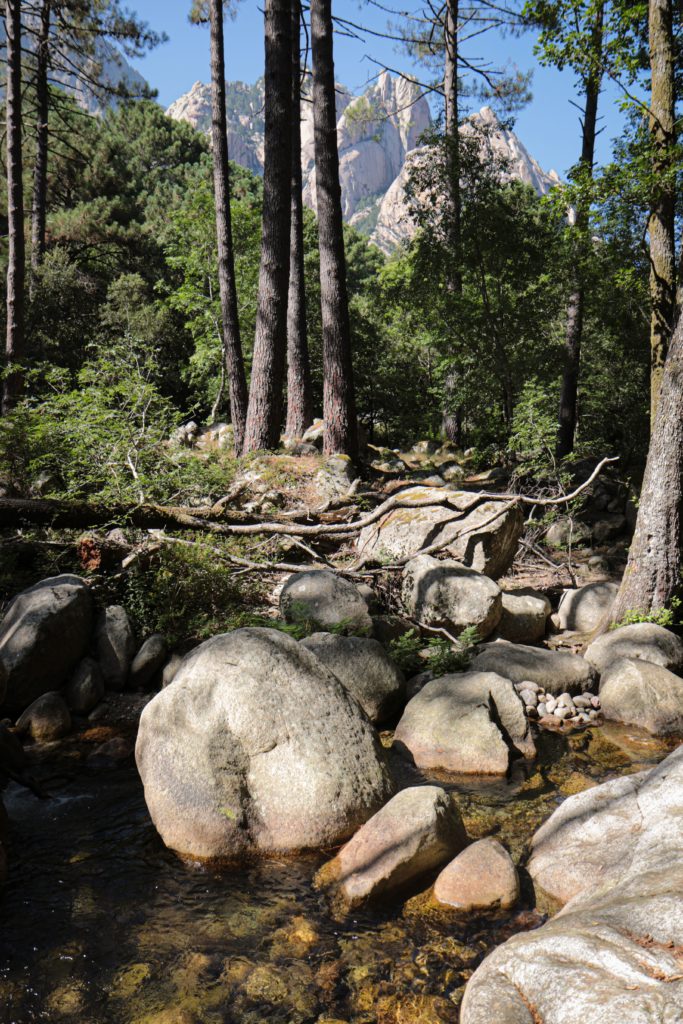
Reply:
x=99 y=924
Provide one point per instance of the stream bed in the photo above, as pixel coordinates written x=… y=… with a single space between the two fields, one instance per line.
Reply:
x=100 y=924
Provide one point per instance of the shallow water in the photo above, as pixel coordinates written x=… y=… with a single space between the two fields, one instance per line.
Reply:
x=99 y=923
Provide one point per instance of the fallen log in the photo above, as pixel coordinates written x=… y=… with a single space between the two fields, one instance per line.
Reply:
x=18 y=512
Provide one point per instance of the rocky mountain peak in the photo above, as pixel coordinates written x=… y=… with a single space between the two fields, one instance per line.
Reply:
x=380 y=133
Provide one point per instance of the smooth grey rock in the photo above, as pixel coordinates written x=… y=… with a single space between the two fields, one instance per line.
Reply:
x=46 y=719
x=419 y=829
x=452 y=724
x=483 y=876
x=256 y=747
x=640 y=693
x=115 y=644
x=324 y=599
x=598 y=838
x=43 y=636
x=148 y=662
x=417 y=683
x=482 y=535
x=365 y=669
x=85 y=689
x=448 y=595
x=643 y=640
x=564 y=531
x=555 y=671
x=525 y=614
x=614 y=855
x=584 y=609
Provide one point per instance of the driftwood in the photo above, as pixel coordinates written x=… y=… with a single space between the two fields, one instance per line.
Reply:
x=216 y=519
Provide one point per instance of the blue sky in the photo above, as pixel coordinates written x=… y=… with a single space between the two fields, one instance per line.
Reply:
x=548 y=126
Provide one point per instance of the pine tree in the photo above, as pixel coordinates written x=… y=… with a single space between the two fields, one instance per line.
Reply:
x=16 y=265
x=264 y=414
x=339 y=403
x=299 y=397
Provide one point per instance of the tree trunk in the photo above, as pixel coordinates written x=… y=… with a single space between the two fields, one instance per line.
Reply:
x=16 y=265
x=232 y=347
x=339 y=401
x=452 y=416
x=299 y=397
x=39 y=205
x=653 y=571
x=270 y=345
x=661 y=224
x=568 y=414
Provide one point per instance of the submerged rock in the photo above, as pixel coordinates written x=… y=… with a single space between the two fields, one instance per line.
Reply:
x=115 y=642
x=365 y=669
x=555 y=671
x=43 y=636
x=639 y=693
x=448 y=595
x=415 y=832
x=481 y=534
x=46 y=719
x=482 y=877
x=257 y=747
x=643 y=640
x=325 y=599
x=470 y=723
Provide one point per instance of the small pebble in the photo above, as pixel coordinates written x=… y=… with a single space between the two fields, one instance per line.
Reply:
x=593 y=715
x=562 y=712
x=528 y=685
x=595 y=701
x=529 y=698
x=551 y=704
x=584 y=701
x=542 y=710
x=565 y=700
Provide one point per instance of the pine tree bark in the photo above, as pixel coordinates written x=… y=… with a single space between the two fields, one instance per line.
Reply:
x=339 y=401
x=653 y=571
x=39 y=203
x=661 y=225
x=569 y=392
x=232 y=346
x=264 y=416
x=16 y=264
x=451 y=422
x=299 y=397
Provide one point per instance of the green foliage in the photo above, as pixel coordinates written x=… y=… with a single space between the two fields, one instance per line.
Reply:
x=439 y=656
x=660 y=616
x=188 y=595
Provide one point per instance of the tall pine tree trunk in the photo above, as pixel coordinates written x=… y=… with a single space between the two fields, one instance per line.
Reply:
x=299 y=397
x=39 y=204
x=339 y=401
x=569 y=393
x=270 y=345
x=451 y=423
x=16 y=266
x=232 y=347
x=661 y=224
x=653 y=571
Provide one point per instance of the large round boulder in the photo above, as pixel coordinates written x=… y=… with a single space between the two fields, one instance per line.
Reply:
x=468 y=723
x=445 y=594
x=257 y=748
x=639 y=693
x=419 y=829
x=583 y=609
x=43 y=636
x=325 y=600
x=644 y=640
x=481 y=533
x=365 y=669
x=556 y=672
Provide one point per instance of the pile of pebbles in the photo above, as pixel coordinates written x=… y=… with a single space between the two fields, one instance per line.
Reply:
x=550 y=712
